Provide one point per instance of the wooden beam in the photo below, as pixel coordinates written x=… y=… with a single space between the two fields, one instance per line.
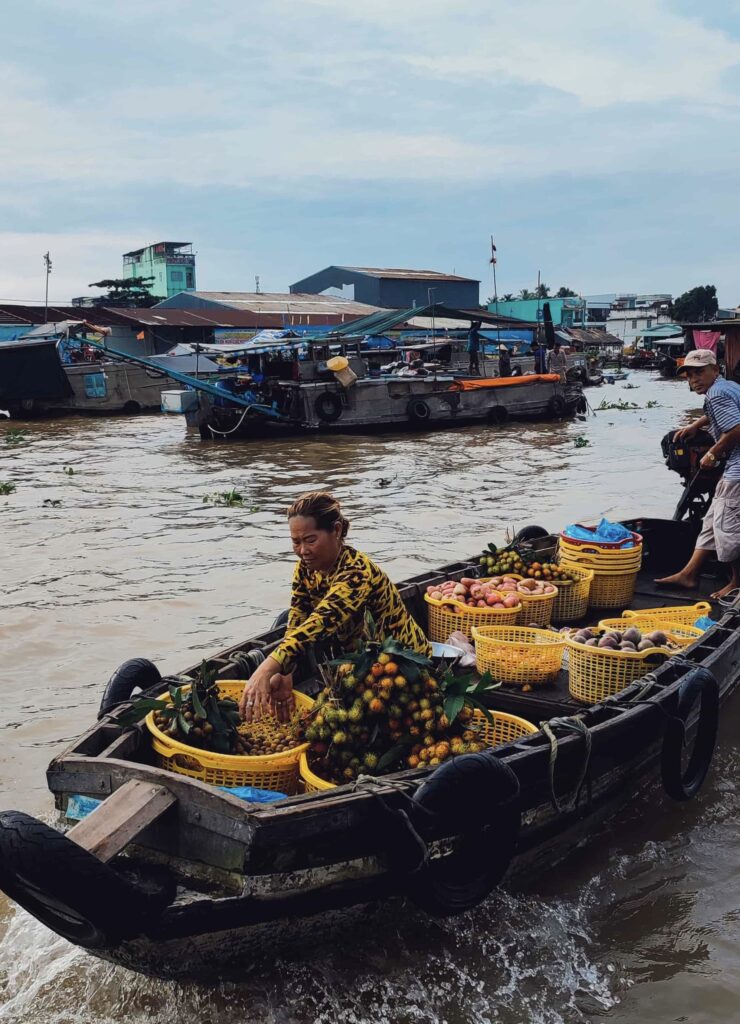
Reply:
x=112 y=825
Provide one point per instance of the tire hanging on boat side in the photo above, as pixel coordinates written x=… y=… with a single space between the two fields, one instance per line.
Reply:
x=418 y=411
x=557 y=407
x=683 y=783
x=328 y=406
x=68 y=889
x=477 y=794
x=136 y=674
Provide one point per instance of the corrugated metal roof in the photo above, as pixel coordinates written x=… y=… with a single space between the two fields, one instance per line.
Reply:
x=287 y=303
x=592 y=337
x=158 y=316
x=14 y=313
x=396 y=272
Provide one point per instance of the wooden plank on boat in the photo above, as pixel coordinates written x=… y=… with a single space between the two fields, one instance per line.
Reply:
x=112 y=826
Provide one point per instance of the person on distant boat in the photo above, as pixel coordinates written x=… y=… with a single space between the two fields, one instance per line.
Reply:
x=539 y=352
x=720 y=532
x=504 y=361
x=333 y=587
x=557 y=362
x=474 y=347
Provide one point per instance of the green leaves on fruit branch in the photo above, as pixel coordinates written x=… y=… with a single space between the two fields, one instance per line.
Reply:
x=465 y=691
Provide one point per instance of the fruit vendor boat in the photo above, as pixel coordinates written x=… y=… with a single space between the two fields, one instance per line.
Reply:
x=172 y=876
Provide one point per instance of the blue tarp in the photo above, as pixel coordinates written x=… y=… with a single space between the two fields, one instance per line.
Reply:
x=605 y=531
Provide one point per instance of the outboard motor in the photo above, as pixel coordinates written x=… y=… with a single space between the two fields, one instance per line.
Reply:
x=683 y=457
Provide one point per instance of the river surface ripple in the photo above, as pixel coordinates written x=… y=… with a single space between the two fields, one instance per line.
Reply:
x=643 y=924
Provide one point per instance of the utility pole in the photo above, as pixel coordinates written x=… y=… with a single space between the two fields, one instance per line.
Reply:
x=257 y=284
x=47 y=265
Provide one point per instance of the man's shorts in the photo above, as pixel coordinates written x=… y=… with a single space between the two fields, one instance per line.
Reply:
x=720 y=530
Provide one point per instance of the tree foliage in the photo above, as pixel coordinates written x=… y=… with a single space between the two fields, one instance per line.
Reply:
x=697 y=304
x=564 y=293
x=543 y=291
x=125 y=291
x=525 y=293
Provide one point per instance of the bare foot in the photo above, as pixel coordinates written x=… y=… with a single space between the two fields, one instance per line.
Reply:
x=724 y=591
x=679 y=579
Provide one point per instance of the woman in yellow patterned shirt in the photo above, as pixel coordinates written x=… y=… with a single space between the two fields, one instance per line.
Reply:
x=333 y=587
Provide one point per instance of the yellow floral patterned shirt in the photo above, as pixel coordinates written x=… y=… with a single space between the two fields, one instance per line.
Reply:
x=332 y=606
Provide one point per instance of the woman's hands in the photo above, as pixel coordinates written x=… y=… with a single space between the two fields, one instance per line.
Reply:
x=268 y=691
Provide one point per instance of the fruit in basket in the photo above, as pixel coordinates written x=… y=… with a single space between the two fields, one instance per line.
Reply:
x=630 y=640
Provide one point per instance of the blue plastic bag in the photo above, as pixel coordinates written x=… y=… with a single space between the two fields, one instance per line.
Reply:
x=254 y=796
x=704 y=622
x=605 y=531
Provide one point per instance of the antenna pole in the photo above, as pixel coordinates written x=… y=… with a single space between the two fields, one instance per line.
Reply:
x=47 y=265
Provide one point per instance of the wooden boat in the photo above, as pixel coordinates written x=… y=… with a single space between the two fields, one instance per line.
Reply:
x=170 y=876
x=60 y=368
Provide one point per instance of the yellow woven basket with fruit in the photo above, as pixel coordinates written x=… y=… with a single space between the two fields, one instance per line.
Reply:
x=277 y=771
x=681 y=633
x=504 y=728
x=458 y=605
x=538 y=597
x=572 y=598
x=518 y=655
x=599 y=667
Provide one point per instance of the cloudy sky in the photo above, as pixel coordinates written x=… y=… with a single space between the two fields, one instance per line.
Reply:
x=598 y=143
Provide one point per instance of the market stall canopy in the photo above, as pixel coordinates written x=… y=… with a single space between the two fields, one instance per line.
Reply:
x=663 y=331
x=62 y=327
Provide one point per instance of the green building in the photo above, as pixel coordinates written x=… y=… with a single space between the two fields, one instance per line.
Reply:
x=569 y=312
x=171 y=264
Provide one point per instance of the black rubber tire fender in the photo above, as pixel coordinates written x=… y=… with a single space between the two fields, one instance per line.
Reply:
x=418 y=411
x=460 y=792
x=281 y=620
x=557 y=406
x=683 y=783
x=531 y=532
x=497 y=414
x=328 y=407
x=68 y=889
x=132 y=675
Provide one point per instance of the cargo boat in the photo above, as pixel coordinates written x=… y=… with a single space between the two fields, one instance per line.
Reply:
x=173 y=877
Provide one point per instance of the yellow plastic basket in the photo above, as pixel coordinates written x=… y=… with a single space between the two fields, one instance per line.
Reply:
x=682 y=634
x=447 y=617
x=503 y=729
x=609 y=588
x=536 y=608
x=571 y=602
x=686 y=614
x=596 y=673
x=601 y=556
x=312 y=783
x=517 y=655
x=278 y=772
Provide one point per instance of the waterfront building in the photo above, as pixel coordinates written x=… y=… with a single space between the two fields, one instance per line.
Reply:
x=567 y=312
x=171 y=264
x=392 y=288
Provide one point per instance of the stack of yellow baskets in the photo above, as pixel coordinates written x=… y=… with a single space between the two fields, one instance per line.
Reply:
x=615 y=566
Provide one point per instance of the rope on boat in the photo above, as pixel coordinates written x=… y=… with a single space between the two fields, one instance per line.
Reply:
x=225 y=433
x=577 y=725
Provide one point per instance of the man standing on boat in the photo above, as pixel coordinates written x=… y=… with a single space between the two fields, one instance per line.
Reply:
x=539 y=352
x=557 y=362
x=474 y=347
x=720 y=532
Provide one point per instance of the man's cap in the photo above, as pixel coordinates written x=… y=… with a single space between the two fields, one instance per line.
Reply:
x=503 y=348
x=699 y=358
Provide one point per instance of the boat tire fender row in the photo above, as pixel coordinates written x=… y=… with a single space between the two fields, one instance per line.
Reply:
x=557 y=406
x=68 y=889
x=136 y=674
x=328 y=406
x=683 y=779
x=418 y=411
x=488 y=831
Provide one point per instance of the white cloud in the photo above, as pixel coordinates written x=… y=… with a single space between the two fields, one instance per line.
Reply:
x=77 y=258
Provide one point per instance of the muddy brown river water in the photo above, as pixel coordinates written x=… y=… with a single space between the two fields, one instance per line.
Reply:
x=641 y=925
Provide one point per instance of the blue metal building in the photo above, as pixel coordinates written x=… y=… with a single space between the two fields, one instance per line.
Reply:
x=393 y=288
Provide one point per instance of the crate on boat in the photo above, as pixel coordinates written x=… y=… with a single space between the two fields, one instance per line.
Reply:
x=179 y=401
x=279 y=772
x=598 y=672
x=571 y=602
x=448 y=616
x=686 y=614
x=517 y=655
